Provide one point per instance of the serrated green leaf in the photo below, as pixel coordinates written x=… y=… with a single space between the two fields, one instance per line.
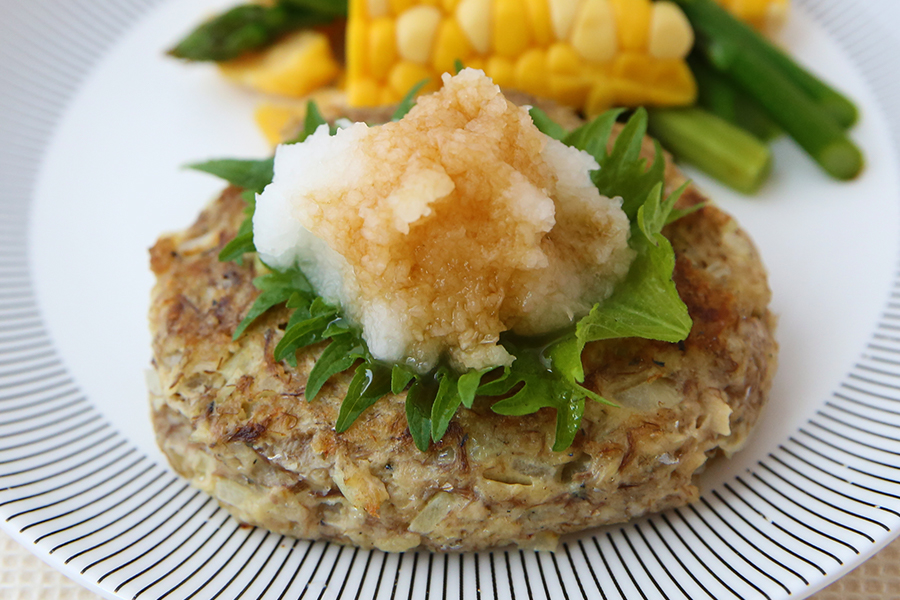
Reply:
x=339 y=356
x=419 y=400
x=623 y=172
x=565 y=356
x=253 y=175
x=540 y=387
x=468 y=386
x=680 y=213
x=400 y=377
x=408 y=101
x=545 y=124
x=370 y=382
x=646 y=304
x=243 y=241
x=239 y=246
x=276 y=287
x=338 y=326
x=300 y=335
x=445 y=403
x=499 y=385
x=593 y=136
x=568 y=420
x=653 y=215
x=311 y=122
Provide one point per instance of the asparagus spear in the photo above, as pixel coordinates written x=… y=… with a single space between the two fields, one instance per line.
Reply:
x=715 y=23
x=728 y=153
x=249 y=27
x=721 y=97
x=801 y=104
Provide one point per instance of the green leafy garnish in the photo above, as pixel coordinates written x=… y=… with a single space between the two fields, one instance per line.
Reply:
x=545 y=124
x=646 y=304
x=242 y=243
x=276 y=287
x=538 y=386
x=371 y=381
x=545 y=374
x=252 y=175
x=408 y=101
x=339 y=356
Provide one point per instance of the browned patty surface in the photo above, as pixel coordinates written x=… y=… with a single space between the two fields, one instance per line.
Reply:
x=235 y=422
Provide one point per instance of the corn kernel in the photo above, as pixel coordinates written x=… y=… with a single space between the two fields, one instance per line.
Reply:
x=601 y=97
x=671 y=35
x=501 y=70
x=629 y=93
x=376 y=9
x=562 y=15
x=594 y=33
x=415 y=33
x=382 y=47
x=633 y=66
x=633 y=20
x=474 y=16
x=563 y=60
x=511 y=32
x=398 y=7
x=357 y=42
x=530 y=73
x=405 y=75
x=673 y=84
x=570 y=89
x=295 y=66
x=475 y=62
x=362 y=92
x=449 y=6
x=539 y=18
x=451 y=45
x=389 y=96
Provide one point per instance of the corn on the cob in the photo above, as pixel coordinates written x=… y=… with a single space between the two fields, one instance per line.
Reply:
x=588 y=53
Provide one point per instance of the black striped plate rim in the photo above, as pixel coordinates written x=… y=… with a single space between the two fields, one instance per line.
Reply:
x=92 y=503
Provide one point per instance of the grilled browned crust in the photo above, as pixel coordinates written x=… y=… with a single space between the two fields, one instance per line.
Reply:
x=235 y=422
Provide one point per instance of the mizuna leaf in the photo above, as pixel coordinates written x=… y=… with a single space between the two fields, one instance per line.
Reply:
x=408 y=101
x=301 y=334
x=445 y=403
x=400 y=378
x=545 y=124
x=253 y=175
x=276 y=287
x=468 y=386
x=419 y=400
x=623 y=172
x=369 y=384
x=339 y=356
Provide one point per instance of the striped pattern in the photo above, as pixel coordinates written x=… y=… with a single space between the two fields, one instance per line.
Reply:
x=86 y=497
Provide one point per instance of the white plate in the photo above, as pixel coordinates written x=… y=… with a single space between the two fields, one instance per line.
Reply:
x=95 y=125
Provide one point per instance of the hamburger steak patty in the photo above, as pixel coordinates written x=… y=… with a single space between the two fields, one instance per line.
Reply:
x=235 y=422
